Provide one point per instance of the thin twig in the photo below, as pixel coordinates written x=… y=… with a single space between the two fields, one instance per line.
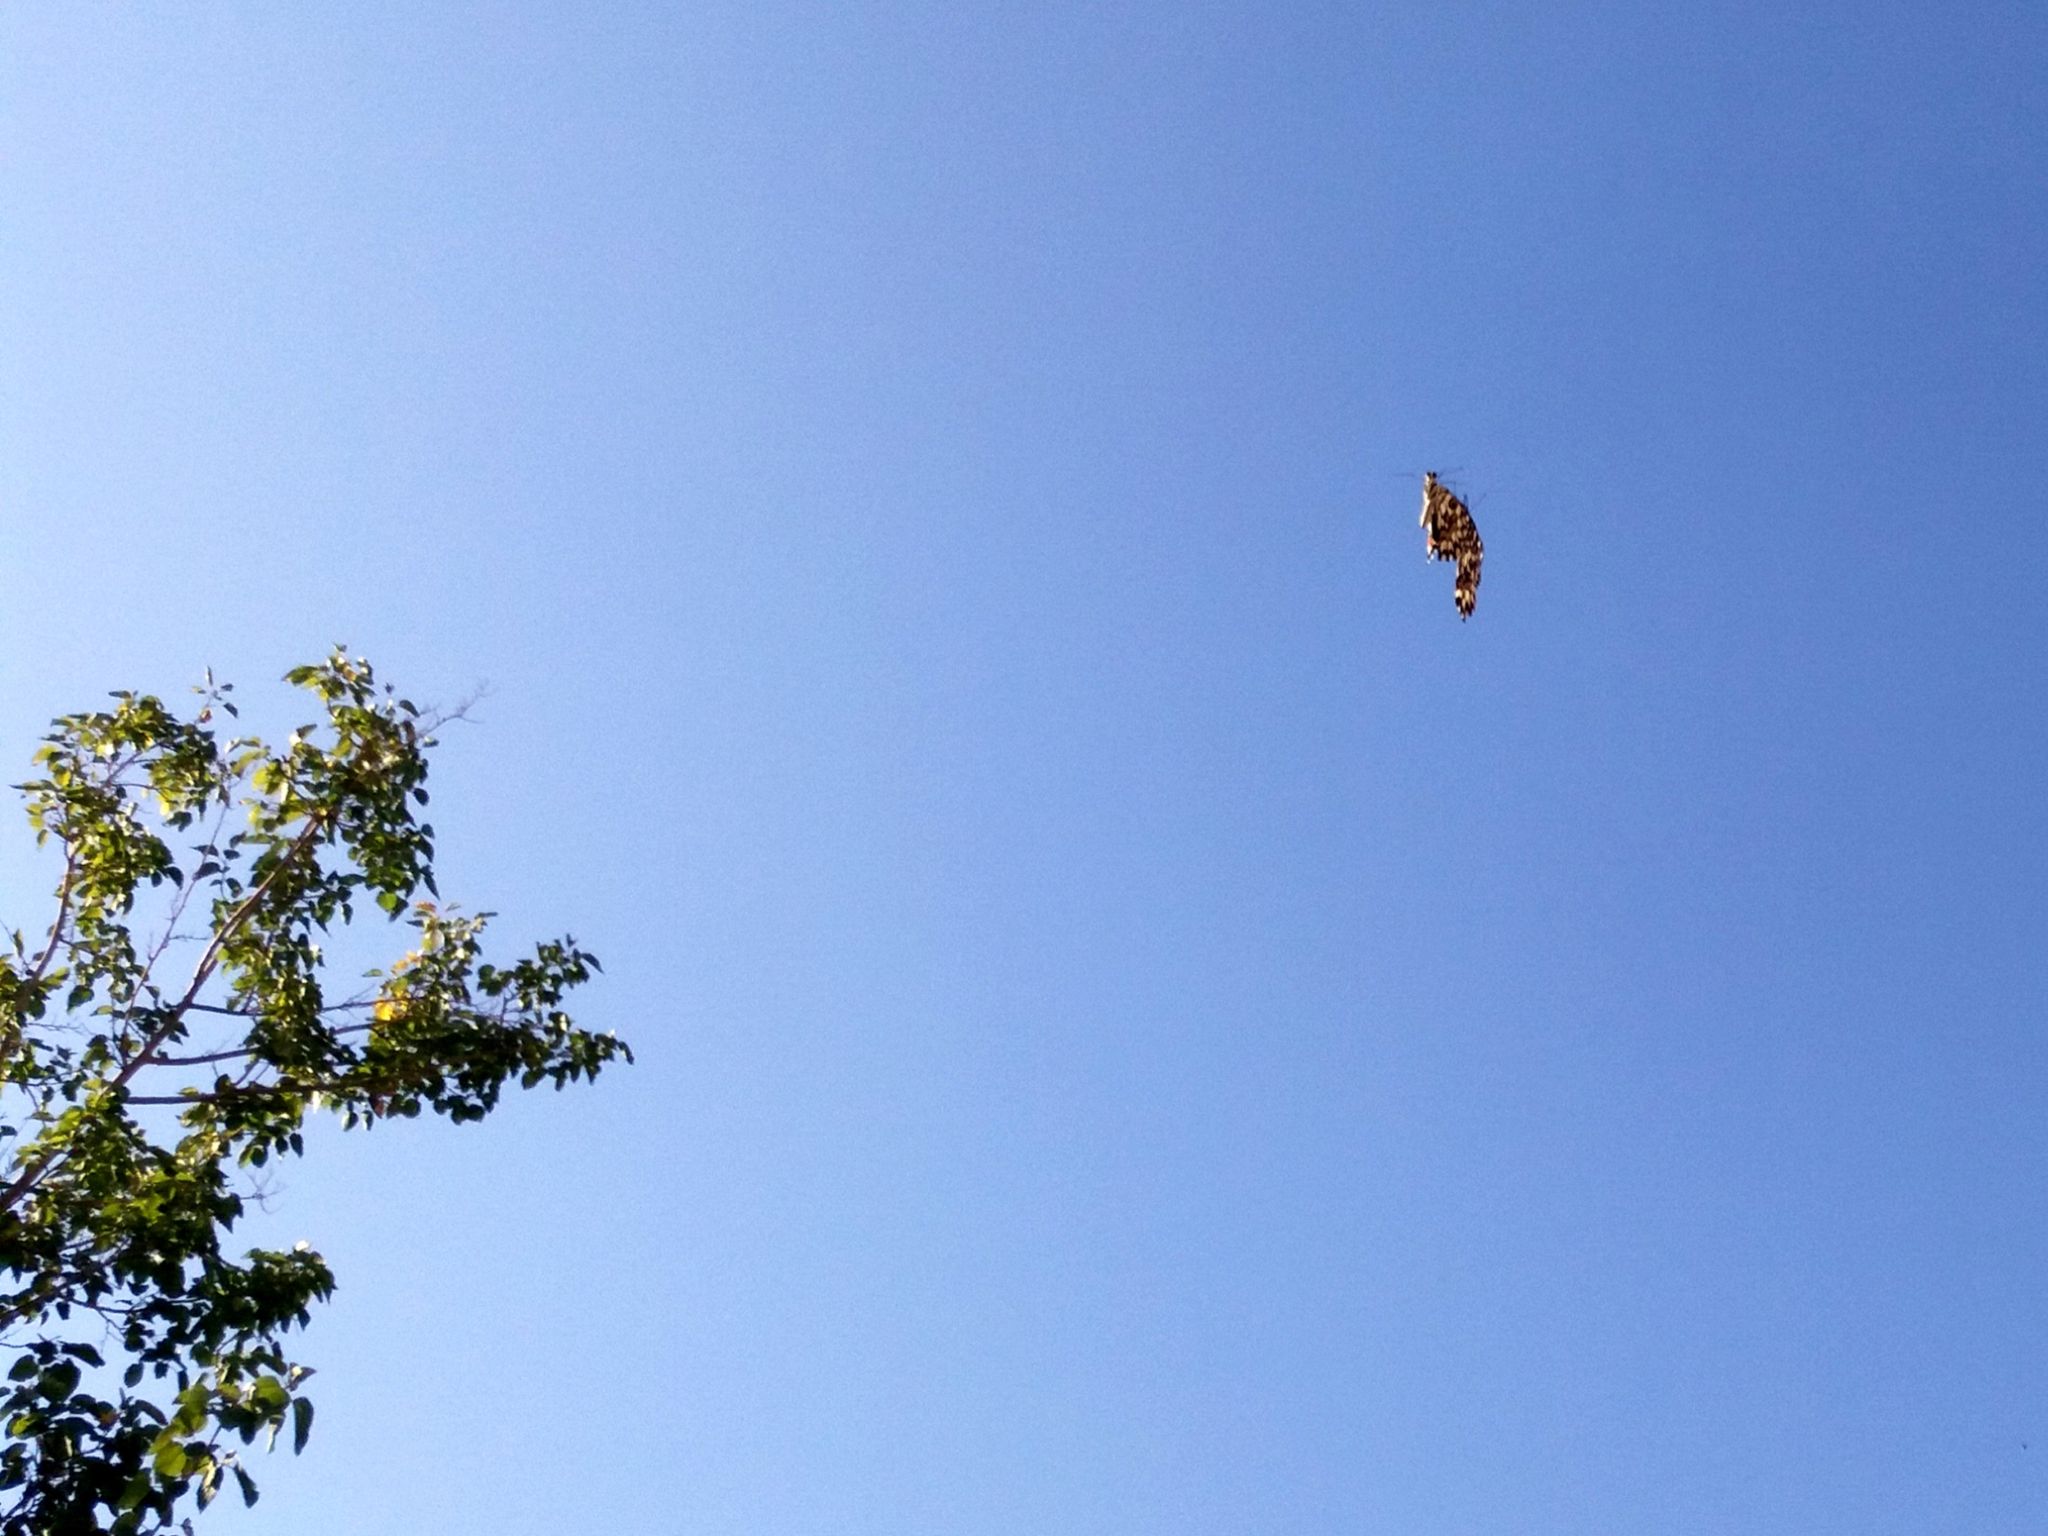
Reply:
x=63 y=912
x=235 y=1054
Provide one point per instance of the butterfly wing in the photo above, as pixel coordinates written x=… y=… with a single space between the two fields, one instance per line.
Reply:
x=1450 y=534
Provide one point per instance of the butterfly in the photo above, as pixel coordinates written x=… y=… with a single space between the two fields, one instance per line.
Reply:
x=1452 y=535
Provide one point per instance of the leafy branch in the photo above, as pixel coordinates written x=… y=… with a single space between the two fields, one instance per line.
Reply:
x=114 y=1216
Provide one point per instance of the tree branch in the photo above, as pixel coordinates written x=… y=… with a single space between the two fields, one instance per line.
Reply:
x=31 y=1177
x=230 y=1055
x=203 y=972
x=63 y=912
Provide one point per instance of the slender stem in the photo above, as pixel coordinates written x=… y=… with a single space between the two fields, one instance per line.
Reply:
x=63 y=912
x=231 y=1055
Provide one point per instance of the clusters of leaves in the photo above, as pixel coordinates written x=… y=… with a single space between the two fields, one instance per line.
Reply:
x=142 y=1076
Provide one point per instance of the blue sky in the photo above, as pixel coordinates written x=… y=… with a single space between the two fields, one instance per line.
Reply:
x=1147 y=1024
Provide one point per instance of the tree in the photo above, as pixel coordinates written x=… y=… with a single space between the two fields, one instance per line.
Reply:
x=152 y=1059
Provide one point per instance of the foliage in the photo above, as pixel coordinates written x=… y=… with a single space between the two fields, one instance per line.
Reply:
x=145 y=1071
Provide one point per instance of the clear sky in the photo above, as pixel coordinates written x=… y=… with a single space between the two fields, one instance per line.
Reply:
x=1147 y=1024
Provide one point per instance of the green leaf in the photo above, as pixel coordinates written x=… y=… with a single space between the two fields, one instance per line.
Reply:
x=269 y=1396
x=248 y=1485
x=302 y=1423
x=60 y=1381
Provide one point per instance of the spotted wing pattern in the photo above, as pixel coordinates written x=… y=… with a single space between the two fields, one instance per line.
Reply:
x=1452 y=535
